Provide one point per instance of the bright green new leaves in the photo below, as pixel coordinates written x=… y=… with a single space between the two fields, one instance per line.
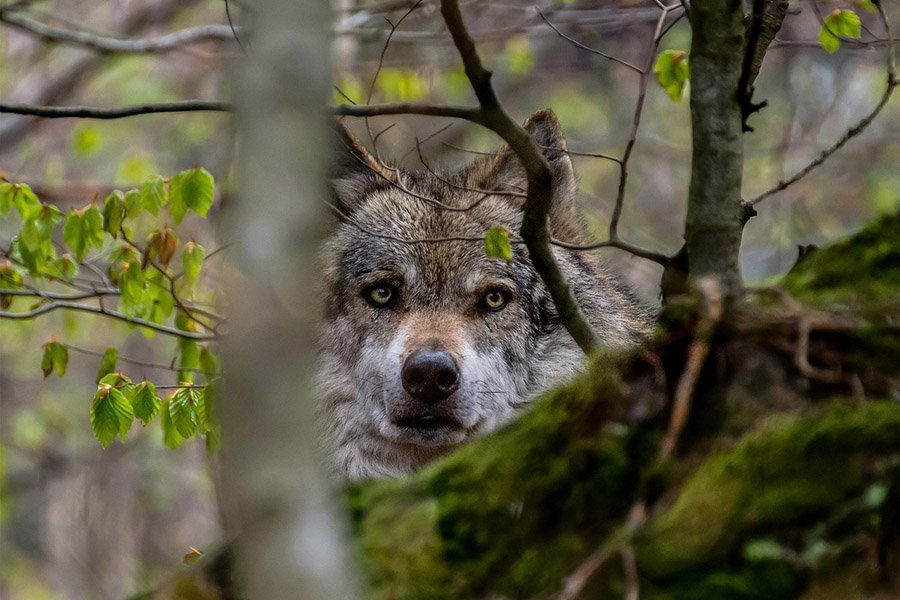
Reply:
x=56 y=358
x=83 y=230
x=496 y=244
x=20 y=196
x=192 y=189
x=144 y=401
x=191 y=260
x=111 y=412
x=673 y=73
x=153 y=195
x=838 y=23
x=37 y=230
x=187 y=411
x=113 y=213
x=107 y=363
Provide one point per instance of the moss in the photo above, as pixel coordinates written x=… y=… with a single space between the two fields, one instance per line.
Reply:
x=862 y=270
x=790 y=472
x=510 y=513
x=767 y=580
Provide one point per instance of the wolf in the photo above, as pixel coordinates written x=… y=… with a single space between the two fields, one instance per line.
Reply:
x=427 y=342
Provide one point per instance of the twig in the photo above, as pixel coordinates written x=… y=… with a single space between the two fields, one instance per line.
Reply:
x=65 y=305
x=137 y=363
x=177 y=40
x=713 y=306
x=853 y=131
x=384 y=48
x=231 y=26
x=578 y=44
x=93 y=112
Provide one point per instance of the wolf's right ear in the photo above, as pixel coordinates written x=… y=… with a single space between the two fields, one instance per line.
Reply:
x=355 y=172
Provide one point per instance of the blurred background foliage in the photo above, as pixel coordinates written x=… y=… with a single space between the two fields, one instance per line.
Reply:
x=81 y=522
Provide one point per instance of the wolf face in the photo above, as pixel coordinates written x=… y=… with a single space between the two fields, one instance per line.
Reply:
x=427 y=341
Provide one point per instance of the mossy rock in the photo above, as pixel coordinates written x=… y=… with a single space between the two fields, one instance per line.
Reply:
x=511 y=513
x=862 y=270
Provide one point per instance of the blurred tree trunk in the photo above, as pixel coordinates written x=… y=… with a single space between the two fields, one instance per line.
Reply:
x=277 y=502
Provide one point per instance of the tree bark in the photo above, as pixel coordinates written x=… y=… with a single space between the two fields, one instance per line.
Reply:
x=277 y=501
x=715 y=217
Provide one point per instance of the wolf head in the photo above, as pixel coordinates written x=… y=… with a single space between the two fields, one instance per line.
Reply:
x=427 y=341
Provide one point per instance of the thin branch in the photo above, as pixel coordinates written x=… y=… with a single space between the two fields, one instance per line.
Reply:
x=137 y=363
x=384 y=49
x=232 y=27
x=851 y=133
x=578 y=44
x=540 y=180
x=166 y=43
x=470 y=113
x=93 y=112
x=65 y=305
x=636 y=121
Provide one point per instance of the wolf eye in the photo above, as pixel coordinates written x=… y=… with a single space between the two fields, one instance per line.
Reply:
x=380 y=295
x=495 y=299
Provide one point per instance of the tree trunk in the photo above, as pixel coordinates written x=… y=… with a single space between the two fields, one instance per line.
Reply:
x=277 y=502
x=714 y=215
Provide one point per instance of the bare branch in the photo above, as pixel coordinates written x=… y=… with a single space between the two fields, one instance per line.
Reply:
x=177 y=40
x=92 y=112
x=470 y=113
x=851 y=133
x=578 y=44
x=65 y=305
x=540 y=180
x=138 y=363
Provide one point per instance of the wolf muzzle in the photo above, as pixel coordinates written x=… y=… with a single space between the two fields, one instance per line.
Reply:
x=430 y=375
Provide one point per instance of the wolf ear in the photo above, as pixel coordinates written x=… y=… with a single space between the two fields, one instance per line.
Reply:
x=355 y=172
x=503 y=171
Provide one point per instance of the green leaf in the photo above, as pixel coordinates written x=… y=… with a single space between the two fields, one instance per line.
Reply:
x=868 y=5
x=828 y=40
x=132 y=203
x=37 y=230
x=113 y=213
x=56 y=358
x=188 y=360
x=496 y=244
x=838 y=23
x=209 y=364
x=20 y=196
x=10 y=279
x=673 y=72
x=193 y=189
x=83 y=230
x=111 y=414
x=64 y=267
x=145 y=402
x=191 y=260
x=153 y=195
x=107 y=363
x=171 y=437
x=183 y=411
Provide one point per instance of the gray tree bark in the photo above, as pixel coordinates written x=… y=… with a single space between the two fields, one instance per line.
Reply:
x=715 y=216
x=278 y=507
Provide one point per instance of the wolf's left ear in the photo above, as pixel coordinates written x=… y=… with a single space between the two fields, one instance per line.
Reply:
x=355 y=172
x=503 y=171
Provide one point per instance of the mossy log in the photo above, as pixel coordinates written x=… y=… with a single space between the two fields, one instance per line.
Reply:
x=786 y=483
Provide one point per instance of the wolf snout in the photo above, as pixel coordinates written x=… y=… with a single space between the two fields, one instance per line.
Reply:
x=430 y=375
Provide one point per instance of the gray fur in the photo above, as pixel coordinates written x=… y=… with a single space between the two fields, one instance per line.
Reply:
x=506 y=357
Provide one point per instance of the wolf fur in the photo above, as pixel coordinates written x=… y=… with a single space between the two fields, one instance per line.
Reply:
x=439 y=293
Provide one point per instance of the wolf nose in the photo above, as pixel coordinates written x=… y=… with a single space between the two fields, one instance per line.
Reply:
x=430 y=375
